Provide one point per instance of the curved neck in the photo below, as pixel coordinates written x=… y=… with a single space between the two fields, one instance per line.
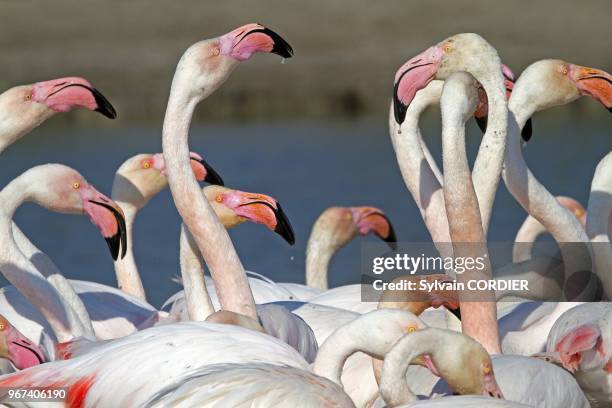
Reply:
x=211 y=238
x=393 y=386
x=374 y=333
x=489 y=161
x=479 y=319
x=22 y=274
x=525 y=239
x=599 y=221
x=534 y=197
x=126 y=270
x=13 y=128
x=416 y=164
x=199 y=305
x=51 y=272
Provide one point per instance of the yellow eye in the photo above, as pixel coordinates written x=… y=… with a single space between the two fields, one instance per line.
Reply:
x=146 y=164
x=216 y=51
x=410 y=329
x=2 y=326
x=486 y=369
x=219 y=198
x=28 y=97
x=564 y=70
x=76 y=185
x=447 y=48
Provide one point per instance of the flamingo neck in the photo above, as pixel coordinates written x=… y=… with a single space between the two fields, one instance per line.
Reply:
x=13 y=128
x=211 y=238
x=458 y=101
x=393 y=386
x=318 y=257
x=419 y=171
x=525 y=239
x=374 y=334
x=22 y=273
x=533 y=196
x=199 y=305
x=599 y=222
x=126 y=270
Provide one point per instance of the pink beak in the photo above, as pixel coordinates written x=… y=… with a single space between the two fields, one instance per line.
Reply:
x=203 y=171
x=22 y=352
x=249 y=39
x=108 y=217
x=413 y=76
x=260 y=209
x=593 y=82
x=371 y=219
x=65 y=94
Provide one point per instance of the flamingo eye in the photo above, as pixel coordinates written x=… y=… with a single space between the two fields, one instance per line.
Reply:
x=564 y=70
x=219 y=198
x=447 y=48
x=2 y=326
x=486 y=369
x=146 y=164
x=410 y=329
x=28 y=97
x=76 y=185
x=215 y=51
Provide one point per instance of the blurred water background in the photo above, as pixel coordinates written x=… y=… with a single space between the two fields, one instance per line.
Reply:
x=311 y=132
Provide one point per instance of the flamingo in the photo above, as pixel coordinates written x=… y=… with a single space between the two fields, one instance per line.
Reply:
x=23 y=108
x=17 y=348
x=558 y=82
x=61 y=189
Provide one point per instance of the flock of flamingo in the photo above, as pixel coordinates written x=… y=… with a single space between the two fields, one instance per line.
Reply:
x=238 y=339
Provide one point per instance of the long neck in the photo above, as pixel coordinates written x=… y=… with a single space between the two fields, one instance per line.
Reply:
x=525 y=239
x=199 y=305
x=479 y=319
x=211 y=238
x=318 y=257
x=51 y=272
x=415 y=163
x=489 y=161
x=13 y=128
x=599 y=221
x=126 y=270
x=374 y=333
x=533 y=196
x=22 y=274
x=393 y=386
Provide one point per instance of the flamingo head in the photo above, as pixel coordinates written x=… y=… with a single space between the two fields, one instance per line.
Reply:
x=66 y=94
x=548 y=83
x=62 y=189
x=372 y=220
x=15 y=347
x=468 y=369
x=208 y=63
x=249 y=39
x=143 y=176
x=234 y=207
x=462 y=52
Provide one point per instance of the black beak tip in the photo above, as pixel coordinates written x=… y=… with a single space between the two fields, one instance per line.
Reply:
x=456 y=312
x=482 y=123
x=113 y=246
x=399 y=109
x=212 y=177
x=527 y=131
x=281 y=47
x=103 y=105
x=283 y=226
x=610 y=109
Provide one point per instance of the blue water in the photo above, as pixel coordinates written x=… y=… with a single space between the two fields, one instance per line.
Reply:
x=306 y=166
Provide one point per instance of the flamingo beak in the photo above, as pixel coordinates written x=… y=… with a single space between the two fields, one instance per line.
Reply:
x=261 y=209
x=109 y=218
x=490 y=387
x=245 y=41
x=65 y=94
x=413 y=76
x=370 y=219
x=594 y=83
x=203 y=171
x=21 y=351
